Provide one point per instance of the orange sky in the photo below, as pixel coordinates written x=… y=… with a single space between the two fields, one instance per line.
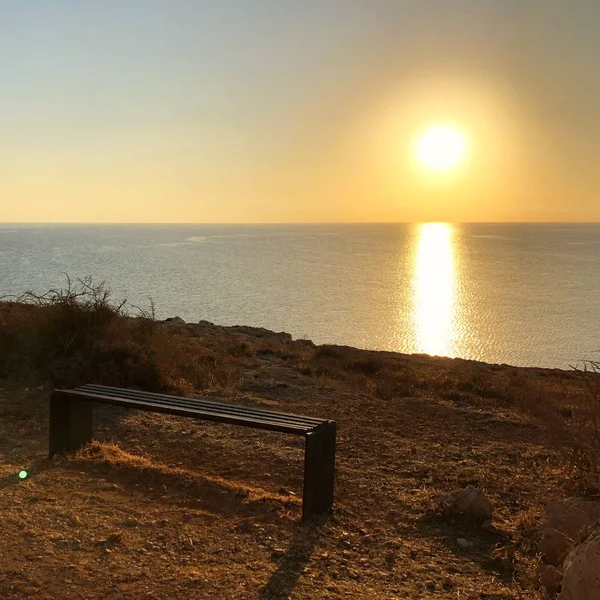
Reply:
x=264 y=111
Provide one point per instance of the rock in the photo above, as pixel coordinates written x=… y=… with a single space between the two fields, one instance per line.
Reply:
x=586 y=532
x=469 y=504
x=463 y=543
x=566 y=523
x=549 y=577
x=175 y=321
x=582 y=569
x=113 y=538
x=570 y=516
x=130 y=522
x=260 y=332
x=554 y=546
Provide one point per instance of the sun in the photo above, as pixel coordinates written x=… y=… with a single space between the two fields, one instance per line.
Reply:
x=441 y=148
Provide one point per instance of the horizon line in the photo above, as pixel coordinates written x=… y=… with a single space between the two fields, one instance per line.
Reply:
x=544 y=222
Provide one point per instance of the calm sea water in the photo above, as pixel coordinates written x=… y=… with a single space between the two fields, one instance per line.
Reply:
x=519 y=294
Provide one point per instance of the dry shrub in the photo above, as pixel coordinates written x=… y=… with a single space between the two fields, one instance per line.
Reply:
x=368 y=367
x=571 y=413
x=329 y=352
x=79 y=334
x=241 y=349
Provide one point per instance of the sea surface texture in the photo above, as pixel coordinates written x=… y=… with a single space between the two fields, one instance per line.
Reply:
x=520 y=294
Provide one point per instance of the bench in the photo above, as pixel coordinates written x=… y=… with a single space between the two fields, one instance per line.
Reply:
x=71 y=426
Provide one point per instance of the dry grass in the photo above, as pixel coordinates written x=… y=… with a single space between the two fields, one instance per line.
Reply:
x=567 y=403
x=160 y=507
x=571 y=415
x=163 y=507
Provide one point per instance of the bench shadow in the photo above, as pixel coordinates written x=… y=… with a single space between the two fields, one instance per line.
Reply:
x=186 y=488
x=292 y=563
x=225 y=451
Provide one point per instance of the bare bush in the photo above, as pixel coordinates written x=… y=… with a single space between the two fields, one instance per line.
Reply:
x=79 y=334
x=572 y=416
x=584 y=421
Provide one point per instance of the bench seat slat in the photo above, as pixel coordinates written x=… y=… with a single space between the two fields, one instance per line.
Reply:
x=257 y=423
x=116 y=391
x=203 y=403
x=217 y=408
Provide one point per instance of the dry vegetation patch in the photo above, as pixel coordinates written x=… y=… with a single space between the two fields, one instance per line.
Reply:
x=79 y=334
x=163 y=507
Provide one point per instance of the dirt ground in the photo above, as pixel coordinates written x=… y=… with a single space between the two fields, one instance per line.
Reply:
x=163 y=507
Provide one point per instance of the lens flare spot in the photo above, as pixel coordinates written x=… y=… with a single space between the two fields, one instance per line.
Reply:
x=23 y=474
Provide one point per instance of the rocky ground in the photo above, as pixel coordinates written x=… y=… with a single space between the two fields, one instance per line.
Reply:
x=161 y=507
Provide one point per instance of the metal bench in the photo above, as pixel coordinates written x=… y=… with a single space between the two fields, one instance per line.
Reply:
x=71 y=426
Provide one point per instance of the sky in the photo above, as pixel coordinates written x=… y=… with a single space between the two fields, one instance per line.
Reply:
x=287 y=111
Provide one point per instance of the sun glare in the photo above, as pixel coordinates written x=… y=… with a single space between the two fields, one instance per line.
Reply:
x=434 y=294
x=441 y=148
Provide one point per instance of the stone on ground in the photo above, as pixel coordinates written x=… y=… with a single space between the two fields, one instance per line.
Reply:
x=582 y=569
x=469 y=504
x=554 y=546
x=570 y=516
x=549 y=577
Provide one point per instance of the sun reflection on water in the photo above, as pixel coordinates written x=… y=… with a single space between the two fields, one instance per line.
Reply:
x=434 y=290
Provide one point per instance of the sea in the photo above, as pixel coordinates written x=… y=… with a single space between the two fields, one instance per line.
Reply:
x=521 y=294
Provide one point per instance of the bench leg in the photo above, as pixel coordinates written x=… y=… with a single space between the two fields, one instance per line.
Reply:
x=71 y=423
x=319 y=466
